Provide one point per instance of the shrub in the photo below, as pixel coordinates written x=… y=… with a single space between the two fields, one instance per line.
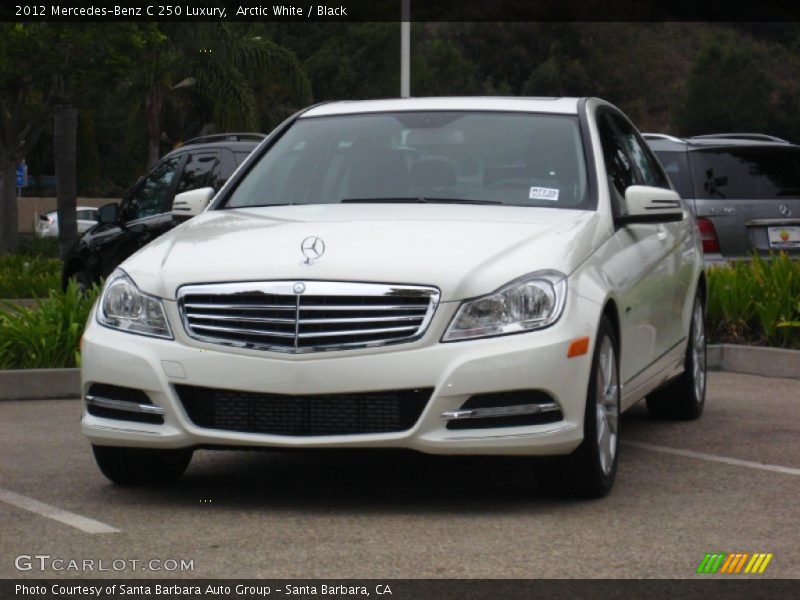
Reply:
x=47 y=336
x=755 y=302
x=46 y=247
x=28 y=276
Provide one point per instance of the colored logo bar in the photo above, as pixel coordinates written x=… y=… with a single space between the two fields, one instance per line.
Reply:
x=734 y=563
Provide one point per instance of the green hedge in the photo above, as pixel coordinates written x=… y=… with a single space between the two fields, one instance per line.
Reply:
x=28 y=276
x=755 y=302
x=47 y=336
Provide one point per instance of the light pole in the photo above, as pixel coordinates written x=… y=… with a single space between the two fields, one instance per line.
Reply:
x=405 y=48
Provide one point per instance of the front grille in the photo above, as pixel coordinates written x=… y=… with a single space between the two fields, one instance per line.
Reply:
x=309 y=316
x=310 y=415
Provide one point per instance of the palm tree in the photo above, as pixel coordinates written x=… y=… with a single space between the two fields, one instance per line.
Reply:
x=217 y=68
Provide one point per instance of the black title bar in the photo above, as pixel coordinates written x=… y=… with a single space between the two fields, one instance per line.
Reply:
x=390 y=10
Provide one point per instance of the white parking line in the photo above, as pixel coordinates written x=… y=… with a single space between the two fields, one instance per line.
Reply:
x=714 y=458
x=85 y=524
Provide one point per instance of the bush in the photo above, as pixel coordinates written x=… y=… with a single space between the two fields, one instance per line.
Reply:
x=755 y=302
x=47 y=336
x=46 y=247
x=28 y=276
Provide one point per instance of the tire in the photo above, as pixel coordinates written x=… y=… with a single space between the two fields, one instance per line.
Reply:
x=141 y=466
x=683 y=398
x=83 y=281
x=589 y=472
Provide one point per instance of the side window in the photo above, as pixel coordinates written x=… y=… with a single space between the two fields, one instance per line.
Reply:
x=86 y=215
x=620 y=170
x=649 y=169
x=201 y=170
x=154 y=195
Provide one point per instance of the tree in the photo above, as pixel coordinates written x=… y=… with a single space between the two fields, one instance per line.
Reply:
x=25 y=105
x=217 y=70
x=729 y=89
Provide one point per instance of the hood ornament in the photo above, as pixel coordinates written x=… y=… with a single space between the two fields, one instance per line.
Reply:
x=312 y=248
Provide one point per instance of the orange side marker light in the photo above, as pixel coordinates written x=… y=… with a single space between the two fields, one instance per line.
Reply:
x=578 y=347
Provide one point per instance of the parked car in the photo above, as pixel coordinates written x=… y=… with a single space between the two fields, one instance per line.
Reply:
x=744 y=189
x=47 y=223
x=450 y=275
x=146 y=209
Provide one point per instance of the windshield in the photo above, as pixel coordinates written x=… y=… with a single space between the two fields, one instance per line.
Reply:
x=746 y=173
x=519 y=159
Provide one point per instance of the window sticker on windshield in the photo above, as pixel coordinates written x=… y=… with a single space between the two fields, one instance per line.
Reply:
x=543 y=193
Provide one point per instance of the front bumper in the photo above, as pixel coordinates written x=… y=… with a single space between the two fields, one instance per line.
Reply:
x=456 y=371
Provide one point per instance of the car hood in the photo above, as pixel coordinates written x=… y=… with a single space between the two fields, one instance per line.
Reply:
x=464 y=250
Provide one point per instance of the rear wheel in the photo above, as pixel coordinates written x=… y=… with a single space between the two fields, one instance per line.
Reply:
x=141 y=466
x=590 y=470
x=684 y=397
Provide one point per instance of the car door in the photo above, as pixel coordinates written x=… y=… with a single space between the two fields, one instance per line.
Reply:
x=145 y=213
x=646 y=265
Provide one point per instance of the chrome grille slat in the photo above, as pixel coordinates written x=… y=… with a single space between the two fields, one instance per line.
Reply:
x=372 y=307
x=285 y=334
x=357 y=332
x=324 y=316
x=242 y=319
x=239 y=306
x=360 y=320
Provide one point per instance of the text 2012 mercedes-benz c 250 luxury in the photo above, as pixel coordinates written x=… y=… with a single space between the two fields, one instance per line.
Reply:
x=451 y=275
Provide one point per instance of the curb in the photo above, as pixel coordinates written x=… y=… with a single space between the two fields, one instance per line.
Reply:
x=40 y=384
x=51 y=384
x=21 y=302
x=754 y=360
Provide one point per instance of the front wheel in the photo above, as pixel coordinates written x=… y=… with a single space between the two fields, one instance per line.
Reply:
x=683 y=398
x=141 y=466
x=590 y=470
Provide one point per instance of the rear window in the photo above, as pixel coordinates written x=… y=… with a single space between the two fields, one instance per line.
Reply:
x=746 y=173
x=676 y=166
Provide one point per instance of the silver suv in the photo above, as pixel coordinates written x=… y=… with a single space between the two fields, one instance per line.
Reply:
x=744 y=189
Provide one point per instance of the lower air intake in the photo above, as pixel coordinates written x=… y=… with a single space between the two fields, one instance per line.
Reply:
x=309 y=415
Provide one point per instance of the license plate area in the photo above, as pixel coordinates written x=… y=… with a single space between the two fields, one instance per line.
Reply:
x=784 y=237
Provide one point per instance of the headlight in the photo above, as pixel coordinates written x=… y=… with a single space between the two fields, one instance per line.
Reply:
x=528 y=303
x=123 y=306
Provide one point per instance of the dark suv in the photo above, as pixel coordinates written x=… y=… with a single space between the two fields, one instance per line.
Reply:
x=145 y=210
x=744 y=189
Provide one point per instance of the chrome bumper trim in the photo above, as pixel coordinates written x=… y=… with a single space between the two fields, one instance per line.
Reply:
x=500 y=411
x=124 y=406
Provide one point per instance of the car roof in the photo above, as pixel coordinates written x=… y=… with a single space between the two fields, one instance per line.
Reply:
x=665 y=142
x=236 y=142
x=565 y=106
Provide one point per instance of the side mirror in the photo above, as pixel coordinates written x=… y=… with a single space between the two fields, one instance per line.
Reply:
x=108 y=214
x=192 y=203
x=646 y=204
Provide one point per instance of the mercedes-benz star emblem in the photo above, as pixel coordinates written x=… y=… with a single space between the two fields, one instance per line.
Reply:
x=312 y=248
x=785 y=210
x=299 y=287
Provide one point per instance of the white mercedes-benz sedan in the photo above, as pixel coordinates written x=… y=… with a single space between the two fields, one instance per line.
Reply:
x=450 y=275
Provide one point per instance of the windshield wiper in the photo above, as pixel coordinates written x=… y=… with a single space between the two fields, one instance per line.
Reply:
x=265 y=205
x=417 y=200
x=460 y=201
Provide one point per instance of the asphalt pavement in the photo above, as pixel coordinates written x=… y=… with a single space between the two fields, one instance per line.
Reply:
x=729 y=482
